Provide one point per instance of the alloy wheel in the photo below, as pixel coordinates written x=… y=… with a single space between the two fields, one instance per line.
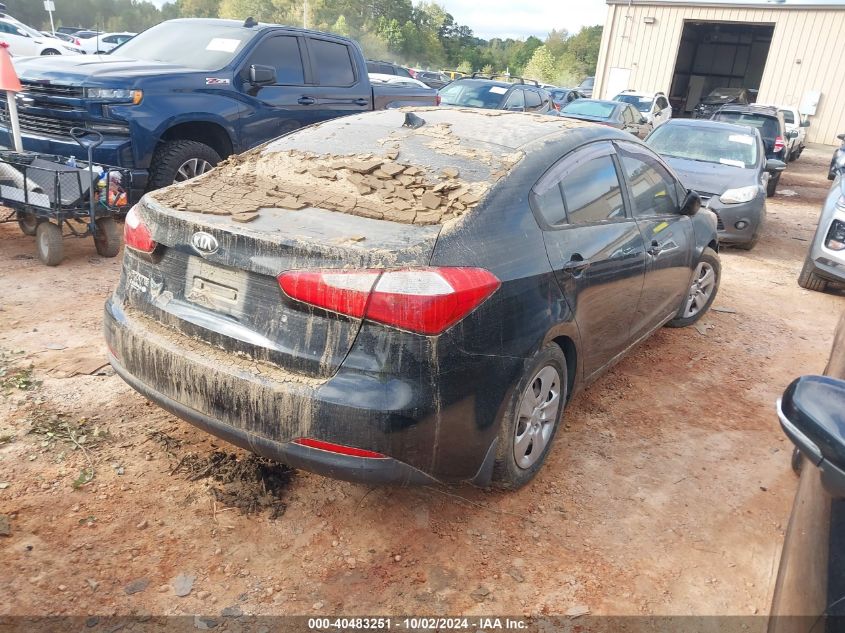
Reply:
x=192 y=168
x=536 y=416
x=703 y=285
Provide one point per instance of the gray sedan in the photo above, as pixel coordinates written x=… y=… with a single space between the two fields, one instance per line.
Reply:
x=825 y=263
x=726 y=164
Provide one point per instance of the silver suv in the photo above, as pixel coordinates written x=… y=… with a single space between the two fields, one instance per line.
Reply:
x=825 y=263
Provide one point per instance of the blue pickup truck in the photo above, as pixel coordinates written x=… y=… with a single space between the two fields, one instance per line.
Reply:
x=183 y=95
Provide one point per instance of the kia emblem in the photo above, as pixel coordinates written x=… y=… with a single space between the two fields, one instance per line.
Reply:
x=204 y=243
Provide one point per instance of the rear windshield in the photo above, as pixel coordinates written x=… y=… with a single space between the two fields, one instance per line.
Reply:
x=643 y=104
x=769 y=126
x=588 y=82
x=705 y=144
x=473 y=95
x=202 y=46
x=592 y=109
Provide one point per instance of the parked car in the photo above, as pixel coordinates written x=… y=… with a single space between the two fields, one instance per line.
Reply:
x=442 y=347
x=796 y=130
x=67 y=40
x=492 y=94
x=24 y=41
x=825 y=261
x=176 y=99
x=85 y=34
x=376 y=78
x=810 y=585
x=837 y=155
x=387 y=68
x=104 y=42
x=769 y=122
x=654 y=106
x=717 y=99
x=727 y=165
x=70 y=30
x=623 y=116
x=562 y=96
x=586 y=87
x=432 y=79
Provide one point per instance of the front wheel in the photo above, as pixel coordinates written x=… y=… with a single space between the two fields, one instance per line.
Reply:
x=702 y=291
x=50 y=51
x=531 y=419
x=808 y=278
x=176 y=161
x=48 y=241
x=772 y=185
x=107 y=237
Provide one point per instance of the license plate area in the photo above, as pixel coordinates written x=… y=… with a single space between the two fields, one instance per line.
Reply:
x=215 y=287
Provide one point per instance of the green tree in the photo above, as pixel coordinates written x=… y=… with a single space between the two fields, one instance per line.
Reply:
x=464 y=67
x=542 y=66
x=340 y=26
x=199 y=8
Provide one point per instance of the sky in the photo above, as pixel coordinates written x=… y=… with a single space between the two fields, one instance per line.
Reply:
x=520 y=18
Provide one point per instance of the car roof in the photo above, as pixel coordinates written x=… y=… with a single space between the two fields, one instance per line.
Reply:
x=491 y=82
x=640 y=93
x=750 y=109
x=605 y=101
x=709 y=125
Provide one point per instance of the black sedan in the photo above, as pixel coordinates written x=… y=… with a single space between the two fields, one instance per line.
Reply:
x=809 y=593
x=492 y=94
x=418 y=303
x=622 y=116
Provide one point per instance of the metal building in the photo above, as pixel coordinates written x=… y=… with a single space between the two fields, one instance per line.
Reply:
x=787 y=51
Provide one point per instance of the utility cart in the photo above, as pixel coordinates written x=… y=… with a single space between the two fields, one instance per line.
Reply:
x=52 y=197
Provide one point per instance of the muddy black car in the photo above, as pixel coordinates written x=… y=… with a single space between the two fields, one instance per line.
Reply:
x=407 y=296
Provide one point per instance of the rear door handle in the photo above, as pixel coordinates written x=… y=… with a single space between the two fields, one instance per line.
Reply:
x=306 y=101
x=361 y=102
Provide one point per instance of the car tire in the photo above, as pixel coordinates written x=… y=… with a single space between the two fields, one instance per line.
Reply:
x=528 y=423
x=107 y=238
x=50 y=51
x=796 y=461
x=48 y=243
x=27 y=222
x=172 y=162
x=808 y=278
x=772 y=185
x=701 y=294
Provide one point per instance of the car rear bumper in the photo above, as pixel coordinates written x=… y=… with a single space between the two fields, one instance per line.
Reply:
x=265 y=410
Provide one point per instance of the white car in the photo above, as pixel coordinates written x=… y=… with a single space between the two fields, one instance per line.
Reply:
x=68 y=41
x=654 y=106
x=24 y=41
x=105 y=42
x=794 y=123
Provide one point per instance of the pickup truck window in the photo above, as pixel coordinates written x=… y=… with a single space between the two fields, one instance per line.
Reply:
x=282 y=53
x=332 y=63
x=202 y=47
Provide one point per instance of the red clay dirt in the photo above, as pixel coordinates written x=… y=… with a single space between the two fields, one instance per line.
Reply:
x=667 y=492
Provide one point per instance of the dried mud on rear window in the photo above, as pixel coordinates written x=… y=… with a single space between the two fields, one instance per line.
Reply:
x=387 y=184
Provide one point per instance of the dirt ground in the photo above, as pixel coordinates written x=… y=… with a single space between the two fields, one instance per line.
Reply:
x=668 y=493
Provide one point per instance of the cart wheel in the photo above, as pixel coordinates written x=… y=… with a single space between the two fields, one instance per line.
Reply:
x=107 y=238
x=48 y=240
x=27 y=222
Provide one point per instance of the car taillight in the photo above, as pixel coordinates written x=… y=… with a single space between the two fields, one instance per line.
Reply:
x=422 y=300
x=557 y=106
x=779 y=144
x=77 y=42
x=438 y=100
x=338 y=448
x=136 y=234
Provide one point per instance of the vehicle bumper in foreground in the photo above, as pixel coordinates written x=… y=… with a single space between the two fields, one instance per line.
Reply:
x=265 y=409
x=750 y=216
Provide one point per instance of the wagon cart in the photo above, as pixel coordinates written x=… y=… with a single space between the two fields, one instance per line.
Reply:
x=52 y=197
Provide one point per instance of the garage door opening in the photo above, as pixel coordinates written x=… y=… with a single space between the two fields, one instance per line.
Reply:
x=718 y=55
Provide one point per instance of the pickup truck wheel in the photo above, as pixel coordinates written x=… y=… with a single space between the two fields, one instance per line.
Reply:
x=107 y=238
x=27 y=222
x=702 y=291
x=531 y=419
x=48 y=242
x=809 y=279
x=176 y=161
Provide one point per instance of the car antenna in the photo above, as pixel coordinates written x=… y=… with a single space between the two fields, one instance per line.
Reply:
x=250 y=22
x=413 y=121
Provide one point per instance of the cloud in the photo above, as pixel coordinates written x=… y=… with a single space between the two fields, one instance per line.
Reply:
x=507 y=18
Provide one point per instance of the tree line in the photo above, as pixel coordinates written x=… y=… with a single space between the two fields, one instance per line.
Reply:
x=422 y=35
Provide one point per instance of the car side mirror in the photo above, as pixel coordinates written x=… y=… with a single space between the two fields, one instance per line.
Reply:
x=812 y=414
x=691 y=203
x=792 y=134
x=773 y=164
x=262 y=75
x=841 y=137
x=804 y=123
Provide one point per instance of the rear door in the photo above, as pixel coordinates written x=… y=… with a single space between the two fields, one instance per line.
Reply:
x=655 y=200
x=337 y=87
x=595 y=249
